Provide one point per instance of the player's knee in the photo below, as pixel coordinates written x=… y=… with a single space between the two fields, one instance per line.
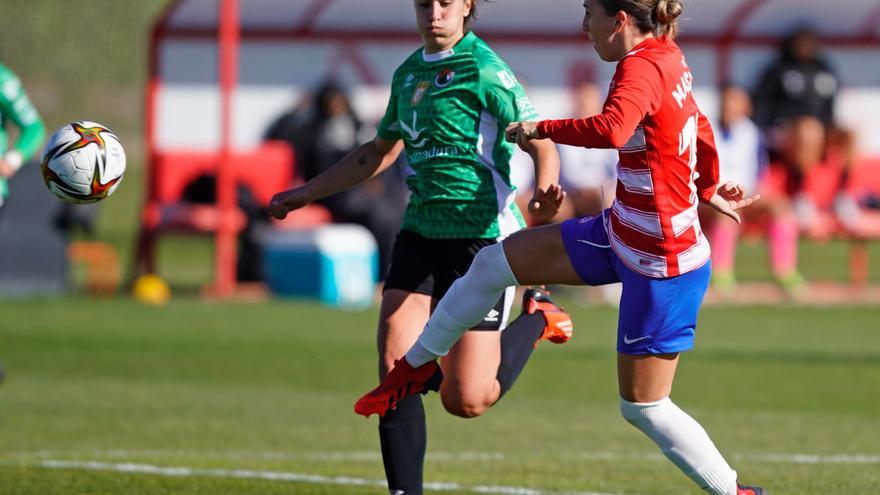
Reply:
x=630 y=413
x=492 y=269
x=646 y=416
x=465 y=405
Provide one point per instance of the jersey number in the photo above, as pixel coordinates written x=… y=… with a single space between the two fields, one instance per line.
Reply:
x=687 y=141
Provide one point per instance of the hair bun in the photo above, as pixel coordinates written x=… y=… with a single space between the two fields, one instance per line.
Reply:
x=667 y=11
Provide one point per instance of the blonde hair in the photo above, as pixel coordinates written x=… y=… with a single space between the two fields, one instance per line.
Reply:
x=655 y=16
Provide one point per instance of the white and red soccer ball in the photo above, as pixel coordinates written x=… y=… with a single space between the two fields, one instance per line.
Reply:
x=83 y=162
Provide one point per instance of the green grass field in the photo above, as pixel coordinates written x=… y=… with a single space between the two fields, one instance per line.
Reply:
x=256 y=399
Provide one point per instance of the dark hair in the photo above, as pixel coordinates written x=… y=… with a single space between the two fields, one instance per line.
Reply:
x=651 y=16
x=472 y=16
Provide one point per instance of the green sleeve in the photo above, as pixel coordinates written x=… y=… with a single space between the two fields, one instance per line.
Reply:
x=17 y=107
x=505 y=97
x=389 y=127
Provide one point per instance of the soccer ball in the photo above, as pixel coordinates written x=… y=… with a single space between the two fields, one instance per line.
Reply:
x=83 y=162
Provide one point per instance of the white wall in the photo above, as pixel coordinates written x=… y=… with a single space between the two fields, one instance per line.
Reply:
x=273 y=75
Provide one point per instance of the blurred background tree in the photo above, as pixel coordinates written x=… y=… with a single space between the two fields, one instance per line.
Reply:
x=83 y=60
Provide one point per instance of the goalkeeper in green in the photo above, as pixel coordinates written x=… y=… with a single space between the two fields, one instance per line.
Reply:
x=16 y=109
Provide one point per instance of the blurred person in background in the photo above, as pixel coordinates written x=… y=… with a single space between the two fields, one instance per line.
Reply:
x=16 y=109
x=323 y=133
x=450 y=103
x=588 y=175
x=742 y=158
x=812 y=155
x=650 y=239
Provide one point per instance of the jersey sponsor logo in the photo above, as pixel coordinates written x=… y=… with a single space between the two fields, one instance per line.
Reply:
x=444 y=78
x=524 y=105
x=421 y=156
x=492 y=316
x=507 y=79
x=419 y=92
x=414 y=132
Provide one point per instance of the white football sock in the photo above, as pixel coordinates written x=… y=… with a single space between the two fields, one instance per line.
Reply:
x=465 y=304
x=684 y=442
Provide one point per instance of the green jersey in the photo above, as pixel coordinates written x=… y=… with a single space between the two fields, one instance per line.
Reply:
x=451 y=110
x=15 y=107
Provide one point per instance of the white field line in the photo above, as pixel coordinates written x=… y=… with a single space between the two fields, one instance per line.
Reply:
x=179 y=471
x=370 y=456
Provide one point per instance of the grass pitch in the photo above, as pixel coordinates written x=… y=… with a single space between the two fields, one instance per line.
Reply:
x=108 y=396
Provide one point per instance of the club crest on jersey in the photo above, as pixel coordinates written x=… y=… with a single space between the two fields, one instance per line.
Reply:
x=444 y=78
x=419 y=92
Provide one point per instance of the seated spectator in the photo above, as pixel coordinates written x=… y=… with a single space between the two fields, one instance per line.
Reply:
x=321 y=134
x=811 y=154
x=249 y=263
x=588 y=175
x=742 y=159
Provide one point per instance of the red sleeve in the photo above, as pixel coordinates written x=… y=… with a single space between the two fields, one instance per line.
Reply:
x=707 y=160
x=636 y=92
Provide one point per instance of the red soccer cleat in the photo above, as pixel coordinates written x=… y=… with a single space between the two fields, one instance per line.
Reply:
x=750 y=490
x=401 y=381
x=558 y=328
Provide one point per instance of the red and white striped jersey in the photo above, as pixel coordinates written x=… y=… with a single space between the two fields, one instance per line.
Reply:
x=668 y=160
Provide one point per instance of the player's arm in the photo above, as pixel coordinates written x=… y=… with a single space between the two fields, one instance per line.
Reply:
x=365 y=162
x=635 y=94
x=17 y=107
x=707 y=160
x=548 y=194
x=726 y=198
x=507 y=101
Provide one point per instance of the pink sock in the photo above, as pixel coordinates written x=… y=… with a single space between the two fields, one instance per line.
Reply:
x=722 y=238
x=783 y=245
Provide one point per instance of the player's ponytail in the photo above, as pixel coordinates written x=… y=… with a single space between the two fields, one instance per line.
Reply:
x=650 y=16
x=666 y=17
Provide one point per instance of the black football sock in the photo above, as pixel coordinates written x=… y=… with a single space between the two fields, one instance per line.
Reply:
x=404 y=438
x=517 y=343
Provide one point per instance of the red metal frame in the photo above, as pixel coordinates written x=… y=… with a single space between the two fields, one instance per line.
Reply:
x=225 y=251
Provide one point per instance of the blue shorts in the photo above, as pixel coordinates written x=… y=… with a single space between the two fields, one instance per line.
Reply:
x=657 y=315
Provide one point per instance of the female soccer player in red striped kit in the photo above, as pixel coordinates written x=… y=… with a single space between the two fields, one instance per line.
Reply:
x=650 y=239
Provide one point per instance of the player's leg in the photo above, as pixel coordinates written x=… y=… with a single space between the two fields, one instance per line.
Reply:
x=485 y=363
x=553 y=251
x=478 y=368
x=469 y=385
x=402 y=431
x=649 y=342
x=529 y=257
x=406 y=304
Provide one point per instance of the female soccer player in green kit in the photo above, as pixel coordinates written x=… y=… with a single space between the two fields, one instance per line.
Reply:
x=15 y=107
x=450 y=104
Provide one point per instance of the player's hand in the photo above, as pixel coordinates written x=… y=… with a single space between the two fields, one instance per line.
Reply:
x=6 y=170
x=521 y=132
x=286 y=201
x=545 y=204
x=730 y=197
